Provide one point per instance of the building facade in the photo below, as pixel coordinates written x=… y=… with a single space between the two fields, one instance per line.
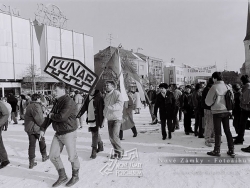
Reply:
x=26 y=44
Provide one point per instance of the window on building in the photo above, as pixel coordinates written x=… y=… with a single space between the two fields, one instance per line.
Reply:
x=177 y=72
x=171 y=80
x=171 y=72
x=178 y=79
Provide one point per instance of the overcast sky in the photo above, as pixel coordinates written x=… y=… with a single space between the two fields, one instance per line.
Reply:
x=194 y=32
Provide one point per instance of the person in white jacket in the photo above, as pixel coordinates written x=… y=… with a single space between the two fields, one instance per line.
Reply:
x=216 y=99
x=113 y=103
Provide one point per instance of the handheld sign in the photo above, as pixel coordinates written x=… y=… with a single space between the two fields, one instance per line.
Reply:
x=72 y=72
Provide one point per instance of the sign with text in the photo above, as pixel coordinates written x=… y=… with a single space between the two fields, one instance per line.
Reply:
x=72 y=72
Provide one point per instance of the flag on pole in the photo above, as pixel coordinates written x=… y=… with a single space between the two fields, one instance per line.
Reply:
x=115 y=65
x=129 y=68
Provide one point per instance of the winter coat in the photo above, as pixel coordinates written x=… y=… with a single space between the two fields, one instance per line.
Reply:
x=152 y=96
x=237 y=109
x=4 y=114
x=196 y=99
x=64 y=116
x=33 y=118
x=128 y=121
x=216 y=97
x=98 y=104
x=204 y=94
x=13 y=102
x=245 y=97
x=165 y=104
x=9 y=109
x=186 y=102
x=113 y=105
x=177 y=94
x=137 y=102
x=23 y=106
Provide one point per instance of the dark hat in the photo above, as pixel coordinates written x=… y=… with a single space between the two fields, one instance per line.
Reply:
x=188 y=86
x=236 y=87
x=164 y=85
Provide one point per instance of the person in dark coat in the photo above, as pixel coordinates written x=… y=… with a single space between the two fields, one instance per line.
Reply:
x=187 y=109
x=13 y=102
x=196 y=99
x=151 y=102
x=165 y=102
x=237 y=109
x=63 y=119
x=33 y=119
x=4 y=115
x=94 y=106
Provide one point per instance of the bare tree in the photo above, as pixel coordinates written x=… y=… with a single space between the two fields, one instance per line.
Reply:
x=33 y=74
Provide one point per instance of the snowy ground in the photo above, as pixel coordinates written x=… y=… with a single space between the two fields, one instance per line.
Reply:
x=150 y=147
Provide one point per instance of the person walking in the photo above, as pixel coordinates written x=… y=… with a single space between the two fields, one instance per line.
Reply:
x=208 y=116
x=33 y=119
x=94 y=106
x=137 y=102
x=13 y=102
x=128 y=121
x=113 y=103
x=165 y=102
x=79 y=102
x=4 y=115
x=187 y=109
x=63 y=119
x=217 y=100
x=177 y=94
x=151 y=103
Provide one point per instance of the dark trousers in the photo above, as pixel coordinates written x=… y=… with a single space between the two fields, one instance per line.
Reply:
x=224 y=119
x=180 y=114
x=32 y=145
x=133 y=130
x=243 y=121
x=236 y=122
x=175 y=118
x=96 y=138
x=198 y=123
x=187 y=121
x=3 y=153
x=163 y=126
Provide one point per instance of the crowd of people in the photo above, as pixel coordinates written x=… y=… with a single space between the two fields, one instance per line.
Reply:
x=210 y=104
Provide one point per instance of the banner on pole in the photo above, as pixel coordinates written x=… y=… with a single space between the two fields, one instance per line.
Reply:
x=73 y=72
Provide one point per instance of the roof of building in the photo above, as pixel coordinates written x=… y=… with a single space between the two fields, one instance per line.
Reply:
x=248 y=23
x=110 y=50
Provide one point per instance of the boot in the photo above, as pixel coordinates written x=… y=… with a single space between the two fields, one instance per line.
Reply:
x=134 y=131
x=100 y=147
x=93 y=154
x=216 y=151
x=32 y=163
x=121 y=135
x=74 y=179
x=62 y=178
x=231 y=153
x=169 y=135
x=45 y=157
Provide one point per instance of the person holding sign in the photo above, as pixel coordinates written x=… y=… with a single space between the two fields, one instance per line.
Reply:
x=63 y=119
x=113 y=102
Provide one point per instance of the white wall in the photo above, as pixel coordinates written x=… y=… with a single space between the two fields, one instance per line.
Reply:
x=89 y=52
